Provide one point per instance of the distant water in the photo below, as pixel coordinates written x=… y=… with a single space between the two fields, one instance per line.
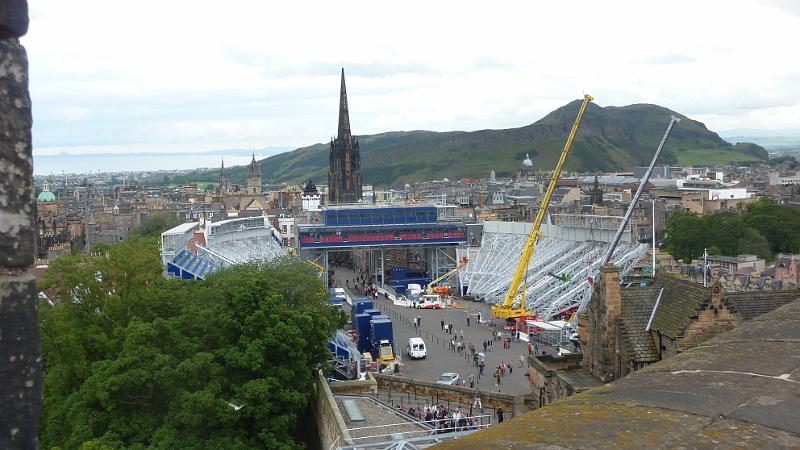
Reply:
x=126 y=162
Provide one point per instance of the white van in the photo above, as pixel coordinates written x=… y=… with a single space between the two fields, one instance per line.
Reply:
x=416 y=348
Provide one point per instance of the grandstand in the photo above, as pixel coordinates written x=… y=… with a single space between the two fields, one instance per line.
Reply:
x=225 y=243
x=491 y=266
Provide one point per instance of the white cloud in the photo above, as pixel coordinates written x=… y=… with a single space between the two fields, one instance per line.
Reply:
x=206 y=74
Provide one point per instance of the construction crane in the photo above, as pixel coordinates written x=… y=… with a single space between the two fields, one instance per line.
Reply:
x=614 y=242
x=317 y=266
x=512 y=308
x=442 y=290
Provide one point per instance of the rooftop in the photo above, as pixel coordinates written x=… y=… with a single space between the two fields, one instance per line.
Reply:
x=728 y=392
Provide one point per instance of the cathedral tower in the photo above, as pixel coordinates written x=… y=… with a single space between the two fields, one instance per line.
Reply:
x=344 y=176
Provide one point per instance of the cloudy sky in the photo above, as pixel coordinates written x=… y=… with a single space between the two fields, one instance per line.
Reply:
x=114 y=76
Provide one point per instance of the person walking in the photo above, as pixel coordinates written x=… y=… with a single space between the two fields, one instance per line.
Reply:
x=467 y=319
x=499 y=415
x=481 y=366
x=521 y=359
x=441 y=322
x=497 y=377
x=484 y=346
x=476 y=403
x=530 y=348
x=510 y=367
x=472 y=381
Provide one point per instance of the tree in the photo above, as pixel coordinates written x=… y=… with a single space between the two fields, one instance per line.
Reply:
x=157 y=223
x=684 y=238
x=780 y=224
x=134 y=360
x=754 y=243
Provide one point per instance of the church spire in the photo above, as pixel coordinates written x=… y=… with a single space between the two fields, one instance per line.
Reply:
x=344 y=115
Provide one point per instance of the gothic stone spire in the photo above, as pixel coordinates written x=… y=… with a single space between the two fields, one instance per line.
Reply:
x=344 y=115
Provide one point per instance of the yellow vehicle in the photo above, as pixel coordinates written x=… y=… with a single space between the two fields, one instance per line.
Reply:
x=513 y=307
x=385 y=353
x=432 y=287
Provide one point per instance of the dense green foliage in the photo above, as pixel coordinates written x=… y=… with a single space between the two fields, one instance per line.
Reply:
x=156 y=223
x=133 y=360
x=763 y=228
x=610 y=138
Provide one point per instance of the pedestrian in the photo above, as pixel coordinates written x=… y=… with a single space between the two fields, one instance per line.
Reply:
x=467 y=319
x=462 y=335
x=419 y=321
x=530 y=348
x=475 y=359
x=499 y=414
x=481 y=365
x=536 y=348
x=510 y=367
x=497 y=378
x=477 y=402
x=441 y=322
x=521 y=359
x=484 y=346
x=472 y=381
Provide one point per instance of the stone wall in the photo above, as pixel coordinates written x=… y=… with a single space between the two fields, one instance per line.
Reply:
x=547 y=384
x=365 y=387
x=712 y=319
x=516 y=404
x=20 y=355
x=330 y=423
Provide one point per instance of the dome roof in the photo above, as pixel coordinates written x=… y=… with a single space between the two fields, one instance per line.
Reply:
x=46 y=195
x=527 y=161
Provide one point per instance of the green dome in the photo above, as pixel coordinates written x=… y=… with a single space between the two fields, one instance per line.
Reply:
x=46 y=196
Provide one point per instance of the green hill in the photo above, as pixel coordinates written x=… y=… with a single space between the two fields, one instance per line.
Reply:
x=610 y=138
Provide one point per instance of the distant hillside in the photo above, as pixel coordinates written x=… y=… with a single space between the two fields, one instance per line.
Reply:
x=610 y=138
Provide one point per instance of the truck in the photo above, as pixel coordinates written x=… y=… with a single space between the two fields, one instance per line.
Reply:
x=429 y=301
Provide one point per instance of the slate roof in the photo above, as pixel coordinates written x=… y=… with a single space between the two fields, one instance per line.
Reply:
x=730 y=392
x=680 y=302
x=748 y=305
x=637 y=305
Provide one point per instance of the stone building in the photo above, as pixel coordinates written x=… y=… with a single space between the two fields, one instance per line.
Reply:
x=344 y=176
x=625 y=329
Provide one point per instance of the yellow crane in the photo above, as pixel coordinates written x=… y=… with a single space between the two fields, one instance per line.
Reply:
x=512 y=308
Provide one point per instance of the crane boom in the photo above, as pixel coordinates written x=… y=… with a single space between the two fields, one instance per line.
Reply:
x=610 y=252
x=613 y=246
x=431 y=288
x=506 y=310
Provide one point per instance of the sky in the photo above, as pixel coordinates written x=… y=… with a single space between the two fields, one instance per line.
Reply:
x=180 y=76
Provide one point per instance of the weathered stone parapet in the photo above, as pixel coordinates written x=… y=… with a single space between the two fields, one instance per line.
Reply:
x=16 y=164
x=20 y=354
x=13 y=18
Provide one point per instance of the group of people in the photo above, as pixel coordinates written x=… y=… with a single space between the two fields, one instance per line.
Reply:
x=446 y=421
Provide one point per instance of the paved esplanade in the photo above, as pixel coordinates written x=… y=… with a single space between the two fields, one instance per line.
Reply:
x=440 y=359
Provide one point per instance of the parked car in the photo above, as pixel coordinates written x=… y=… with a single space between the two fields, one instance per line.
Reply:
x=448 y=378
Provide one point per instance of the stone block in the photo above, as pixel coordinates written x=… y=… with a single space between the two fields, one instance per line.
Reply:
x=13 y=18
x=20 y=361
x=16 y=164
